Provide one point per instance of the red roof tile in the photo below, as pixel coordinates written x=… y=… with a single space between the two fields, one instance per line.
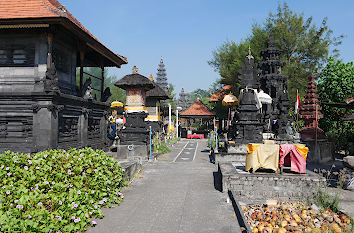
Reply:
x=219 y=94
x=30 y=9
x=197 y=109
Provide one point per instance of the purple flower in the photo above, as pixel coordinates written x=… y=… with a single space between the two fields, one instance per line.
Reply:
x=35 y=157
x=45 y=182
x=81 y=155
x=58 y=231
x=109 y=182
x=7 y=168
x=108 y=189
x=40 y=203
x=37 y=167
x=86 y=215
x=16 y=201
x=53 y=157
x=100 y=174
x=26 y=168
x=15 y=157
x=60 y=203
x=71 y=161
x=90 y=213
x=94 y=222
x=83 y=173
x=103 y=163
x=29 y=155
x=72 y=217
x=92 y=191
x=69 y=172
x=100 y=202
x=29 y=161
x=77 y=220
x=29 y=216
x=91 y=201
x=45 y=156
x=9 y=174
x=19 y=206
x=8 y=192
x=79 y=159
x=11 y=205
x=79 y=192
x=2 y=166
x=53 y=183
x=95 y=206
x=58 y=217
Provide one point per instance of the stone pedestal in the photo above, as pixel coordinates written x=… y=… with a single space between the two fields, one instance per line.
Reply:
x=324 y=151
x=234 y=153
x=134 y=138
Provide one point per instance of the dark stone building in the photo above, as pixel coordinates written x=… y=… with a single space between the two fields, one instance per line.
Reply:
x=275 y=84
x=41 y=107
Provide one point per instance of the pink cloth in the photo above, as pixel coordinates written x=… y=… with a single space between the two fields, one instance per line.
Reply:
x=298 y=162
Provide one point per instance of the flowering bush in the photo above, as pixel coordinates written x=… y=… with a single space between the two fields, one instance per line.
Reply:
x=57 y=190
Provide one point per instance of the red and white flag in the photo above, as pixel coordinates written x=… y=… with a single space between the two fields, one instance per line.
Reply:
x=297 y=103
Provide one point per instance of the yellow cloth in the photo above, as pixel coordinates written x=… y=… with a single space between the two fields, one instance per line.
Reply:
x=262 y=156
x=303 y=150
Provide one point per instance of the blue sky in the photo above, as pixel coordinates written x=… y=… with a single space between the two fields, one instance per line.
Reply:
x=185 y=32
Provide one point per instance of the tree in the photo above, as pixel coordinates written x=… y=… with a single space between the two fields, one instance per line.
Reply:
x=335 y=85
x=305 y=48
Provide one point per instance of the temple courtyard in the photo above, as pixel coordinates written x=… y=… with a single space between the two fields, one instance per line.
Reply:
x=178 y=192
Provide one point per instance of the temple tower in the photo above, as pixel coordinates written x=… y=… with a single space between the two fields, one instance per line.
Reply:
x=308 y=112
x=275 y=84
x=246 y=125
x=161 y=78
x=182 y=101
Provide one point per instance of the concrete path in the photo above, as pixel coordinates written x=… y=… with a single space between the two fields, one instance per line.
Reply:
x=174 y=194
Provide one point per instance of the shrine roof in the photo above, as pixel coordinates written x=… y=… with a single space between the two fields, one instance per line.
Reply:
x=135 y=81
x=198 y=109
x=158 y=93
x=51 y=12
x=219 y=94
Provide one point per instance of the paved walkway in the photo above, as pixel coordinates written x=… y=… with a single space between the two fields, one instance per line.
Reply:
x=176 y=193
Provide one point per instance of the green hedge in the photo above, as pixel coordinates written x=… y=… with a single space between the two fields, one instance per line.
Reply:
x=57 y=190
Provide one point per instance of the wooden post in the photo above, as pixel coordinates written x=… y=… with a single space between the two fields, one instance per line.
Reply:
x=82 y=57
x=102 y=81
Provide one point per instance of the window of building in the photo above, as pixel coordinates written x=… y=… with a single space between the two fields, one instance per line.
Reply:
x=17 y=55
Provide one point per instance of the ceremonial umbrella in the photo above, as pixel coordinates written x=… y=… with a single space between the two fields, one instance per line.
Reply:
x=116 y=104
x=229 y=99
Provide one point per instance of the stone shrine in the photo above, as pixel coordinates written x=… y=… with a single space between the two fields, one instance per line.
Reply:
x=275 y=84
x=134 y=137
x=246 y=124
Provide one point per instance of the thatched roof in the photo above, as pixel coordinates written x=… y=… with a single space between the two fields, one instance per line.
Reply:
x=158 y=93
x=135 y=80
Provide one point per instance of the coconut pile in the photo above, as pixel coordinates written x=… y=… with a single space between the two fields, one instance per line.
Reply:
x=294 y=217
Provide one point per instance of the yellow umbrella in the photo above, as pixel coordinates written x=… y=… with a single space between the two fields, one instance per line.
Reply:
x=117 y=104
x=229 y=99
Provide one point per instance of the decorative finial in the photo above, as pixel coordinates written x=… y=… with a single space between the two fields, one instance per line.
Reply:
x=161 y=59
x=249 y=56
x=135 y=70
x=151 y=78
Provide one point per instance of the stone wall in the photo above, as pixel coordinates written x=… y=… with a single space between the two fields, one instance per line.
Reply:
x=257 y=188
x=324 y=151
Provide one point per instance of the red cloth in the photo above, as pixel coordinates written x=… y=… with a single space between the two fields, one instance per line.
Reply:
x=298 y=162
x=199 y=136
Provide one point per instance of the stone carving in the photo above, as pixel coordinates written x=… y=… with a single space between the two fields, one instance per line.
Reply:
x=68 y=128
x=51 y=79
x=275 y=84
x=3 y=129
x=106 y=95
x=86 y=91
